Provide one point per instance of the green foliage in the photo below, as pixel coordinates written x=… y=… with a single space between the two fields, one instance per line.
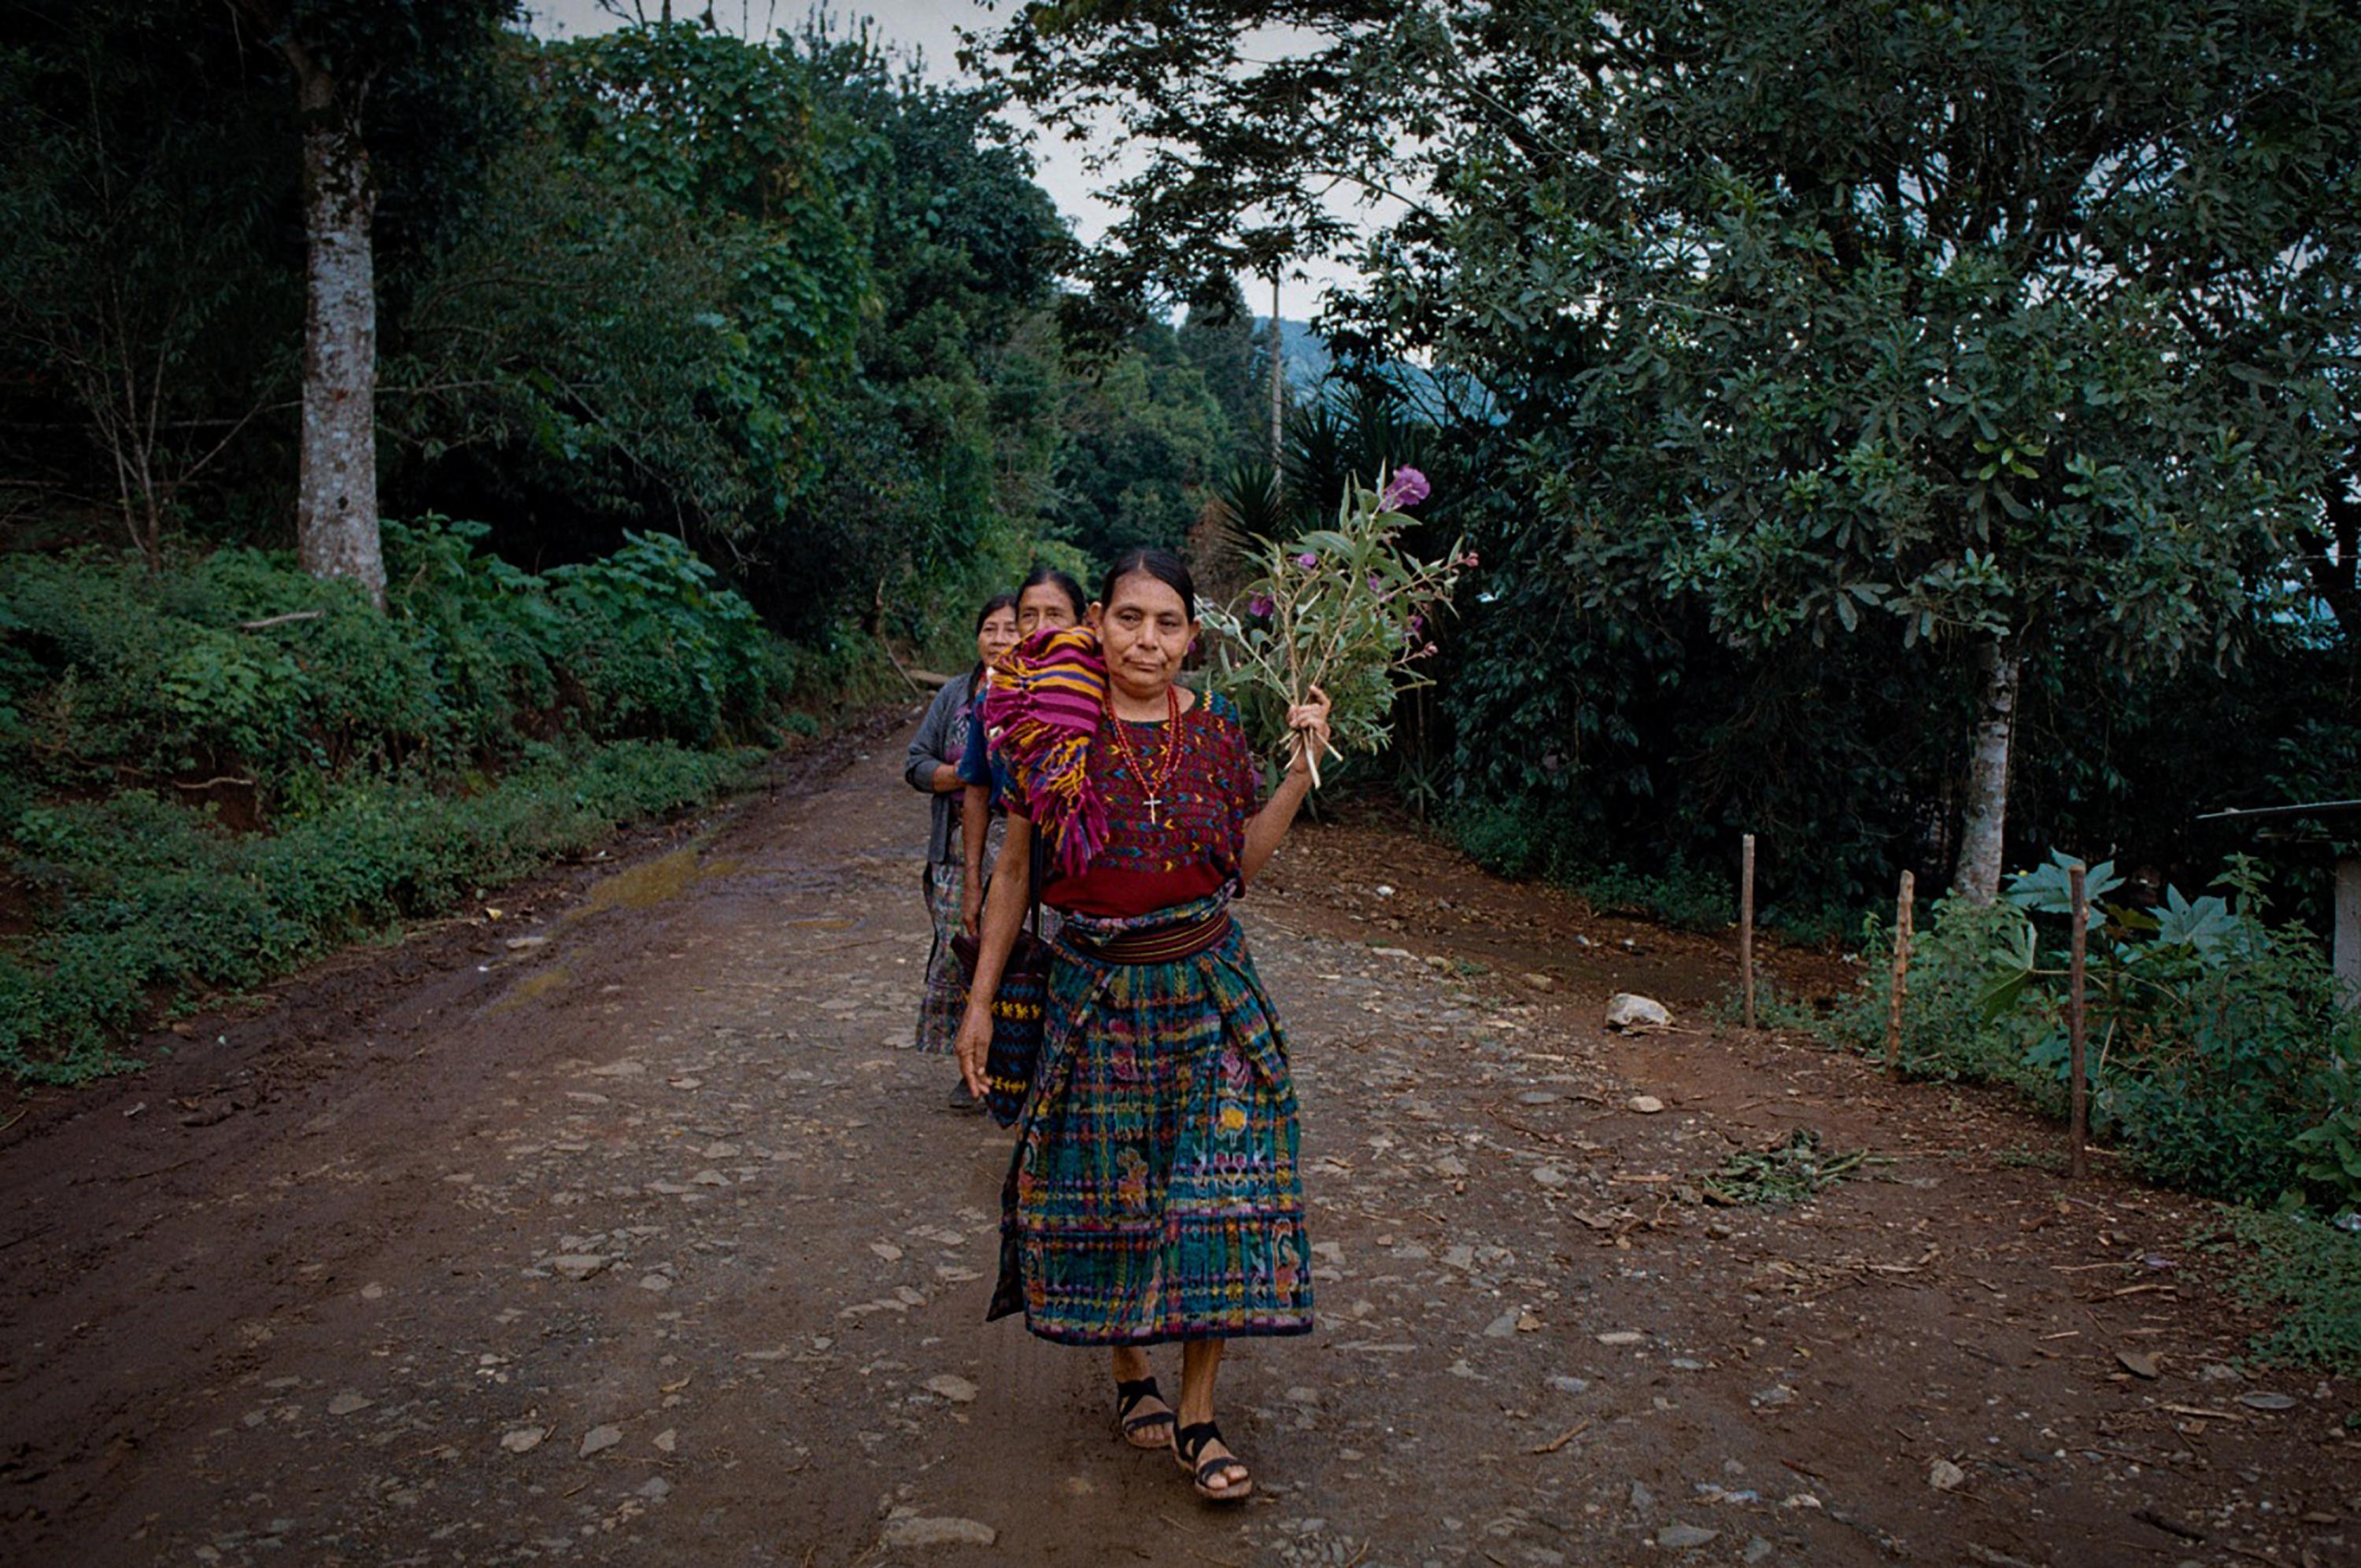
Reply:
x=138 y=204
x=658 y=311
x=1143 y=438
x=1218 y=337
x=1812 y=345
x=236 y=665
x=1345 y=609
x=1531 y=840
x=1505 y=840
x=1686 y=897
x=152 y=903
x=786 y=300
x=1949 y=1028
x=2310 y=1271
x=150 y=304
x=2219 y=1061
x=659 y=647
x=360 y=741
x=1832 y=404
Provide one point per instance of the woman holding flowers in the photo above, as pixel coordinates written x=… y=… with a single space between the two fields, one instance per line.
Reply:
x=1153 y=1194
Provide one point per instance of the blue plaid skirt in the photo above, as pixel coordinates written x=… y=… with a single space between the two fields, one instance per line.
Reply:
x=1153 y=1192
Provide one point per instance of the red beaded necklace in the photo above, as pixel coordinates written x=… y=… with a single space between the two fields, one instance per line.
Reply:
x=1166 y=754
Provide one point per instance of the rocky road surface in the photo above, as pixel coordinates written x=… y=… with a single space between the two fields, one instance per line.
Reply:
x=623 y=1227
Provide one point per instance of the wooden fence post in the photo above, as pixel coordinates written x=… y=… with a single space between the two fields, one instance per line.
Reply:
x=2079 y=1115
x=1903 y=907
x=1746 y=926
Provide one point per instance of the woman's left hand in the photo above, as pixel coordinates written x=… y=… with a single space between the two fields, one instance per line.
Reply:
x=1309 y=720
x=974 y=1045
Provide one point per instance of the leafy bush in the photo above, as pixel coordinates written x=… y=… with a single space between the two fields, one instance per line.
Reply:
x=1509 y=838
x=1948 y=1029
x=237 y=666
x=659 y=647
x=1681 y=895
x=2219 y=1060
x=197 y=670
x=150 y=903
x=155 y=720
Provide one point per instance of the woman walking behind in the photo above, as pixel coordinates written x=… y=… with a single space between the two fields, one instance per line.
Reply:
x=1153 y=1194
x=1046 y=598
x=933 y=768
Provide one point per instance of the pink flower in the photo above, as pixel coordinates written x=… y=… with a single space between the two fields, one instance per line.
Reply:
x=1406 y=488
x=1260 y=605
x=1307 y=560
x=1468 y=559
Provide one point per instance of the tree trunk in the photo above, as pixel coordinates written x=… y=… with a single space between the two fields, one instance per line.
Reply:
x=1278 y=371
x=1982 y=835
x=335 y=508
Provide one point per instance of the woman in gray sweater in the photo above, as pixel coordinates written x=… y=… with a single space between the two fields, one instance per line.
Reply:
x=933 y=770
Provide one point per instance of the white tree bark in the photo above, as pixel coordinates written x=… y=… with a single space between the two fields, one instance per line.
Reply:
x=1982 y=835
x=335 y=508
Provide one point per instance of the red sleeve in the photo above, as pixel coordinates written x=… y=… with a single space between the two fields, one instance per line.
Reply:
x=1244 y=779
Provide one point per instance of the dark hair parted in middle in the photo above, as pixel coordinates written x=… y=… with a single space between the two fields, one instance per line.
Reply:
x=1060 y=581
x=1154 y=562
x=992 y=607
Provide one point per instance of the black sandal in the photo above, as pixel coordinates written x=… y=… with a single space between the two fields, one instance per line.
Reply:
x=1128 y=1397
x=1188 y=1442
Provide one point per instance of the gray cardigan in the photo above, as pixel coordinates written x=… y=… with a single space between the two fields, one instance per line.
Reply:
x=942 y=734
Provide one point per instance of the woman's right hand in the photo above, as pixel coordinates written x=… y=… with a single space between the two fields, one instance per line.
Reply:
x=971 y=908
x=974 y=1044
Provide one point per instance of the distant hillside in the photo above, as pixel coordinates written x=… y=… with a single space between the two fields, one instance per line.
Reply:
x=1302 y=351
x=1305 y=355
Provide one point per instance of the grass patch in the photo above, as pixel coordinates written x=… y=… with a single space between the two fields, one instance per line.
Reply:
x=216 y=770
x=148 y=904
x=1776 y=1007
x=2310 y=1271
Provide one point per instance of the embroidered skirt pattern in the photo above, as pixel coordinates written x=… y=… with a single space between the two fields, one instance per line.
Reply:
x=1153 y=1192
x=945 y=994
x=945 y=998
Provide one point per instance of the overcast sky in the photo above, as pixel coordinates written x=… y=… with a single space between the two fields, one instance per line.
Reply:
x=931 y=26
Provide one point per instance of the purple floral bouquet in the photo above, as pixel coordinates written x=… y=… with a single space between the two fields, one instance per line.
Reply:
x=1343 y=608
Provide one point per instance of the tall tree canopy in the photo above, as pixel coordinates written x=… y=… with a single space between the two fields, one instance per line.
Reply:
x=158 y=155
x=2025 y=331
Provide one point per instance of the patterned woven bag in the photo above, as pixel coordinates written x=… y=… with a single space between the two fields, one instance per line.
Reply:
x=1016 y=1010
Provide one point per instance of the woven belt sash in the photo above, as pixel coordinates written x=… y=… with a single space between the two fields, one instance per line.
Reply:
x=1164 y=945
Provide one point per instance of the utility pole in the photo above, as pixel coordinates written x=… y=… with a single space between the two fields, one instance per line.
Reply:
x=1275 y=382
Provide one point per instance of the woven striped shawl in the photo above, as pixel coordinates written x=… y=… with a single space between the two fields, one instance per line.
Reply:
x=1041 y=713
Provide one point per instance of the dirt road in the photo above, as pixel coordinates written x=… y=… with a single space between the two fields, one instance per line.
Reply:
x=624 y=1228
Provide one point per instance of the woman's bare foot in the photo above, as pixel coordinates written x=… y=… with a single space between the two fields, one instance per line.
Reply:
x=1140 y=1411
x=1218 y=1474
